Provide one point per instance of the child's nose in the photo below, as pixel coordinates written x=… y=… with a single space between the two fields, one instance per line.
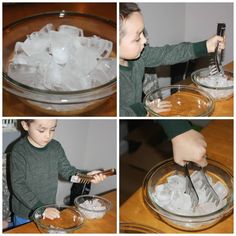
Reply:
x=144 y=39
x=47 y=134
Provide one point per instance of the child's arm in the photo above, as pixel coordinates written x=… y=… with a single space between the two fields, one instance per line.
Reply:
x=65 y=169
x=172 y=54
x=20 y=190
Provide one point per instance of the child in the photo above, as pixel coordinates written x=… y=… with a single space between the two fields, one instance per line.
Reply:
x=135 y=56
x=36 y=161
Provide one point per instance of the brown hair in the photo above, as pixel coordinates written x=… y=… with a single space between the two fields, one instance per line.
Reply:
x=27 y=121
x=126 y=9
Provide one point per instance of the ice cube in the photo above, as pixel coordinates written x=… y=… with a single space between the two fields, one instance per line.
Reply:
x=206 y=208
x=35 y=43
x=177 y=182
x=73 y=78
x=54 y=77
x=181 y=202
x=71 y=30
x=103 y=72
x=102 y=46
x=24 y=74
x=19 y=48
x=221 y=190
x=47 y=28
x=60 y=55
x=20 y=59
x=163 y=193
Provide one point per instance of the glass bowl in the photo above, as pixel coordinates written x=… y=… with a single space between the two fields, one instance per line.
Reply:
x=69 y=221
x=218 y=93
x=58 y=102
x=158 y=175
x=185 y=100
x=133 y=228
x=92 y=207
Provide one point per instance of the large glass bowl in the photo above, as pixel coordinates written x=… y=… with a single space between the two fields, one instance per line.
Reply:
x=58 y=102
x=92 y=206
x=69 y=221
x=218 y=93
x=158 y=175
x=134 y=228
x=185 y=100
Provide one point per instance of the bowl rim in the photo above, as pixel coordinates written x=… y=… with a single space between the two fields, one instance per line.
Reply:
x=28 y=89
x=61 y=14
x=193 y=77
x=108 y=208
x=179 y=87
x=58 y=206
x=136 y=225
x=178 y=217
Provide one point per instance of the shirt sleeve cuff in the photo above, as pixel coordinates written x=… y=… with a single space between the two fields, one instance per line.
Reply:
x=200 y=49
x=139 y=109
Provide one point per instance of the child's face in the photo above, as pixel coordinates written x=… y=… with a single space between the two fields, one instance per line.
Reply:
x=133 y=41
x=40 y=132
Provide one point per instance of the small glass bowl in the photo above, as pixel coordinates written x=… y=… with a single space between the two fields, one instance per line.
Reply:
x=92 y=213
x=133 y=228
x=69 y=221
x=185 y=100
x=218 y=93
x=58 y=102
x=158 y=175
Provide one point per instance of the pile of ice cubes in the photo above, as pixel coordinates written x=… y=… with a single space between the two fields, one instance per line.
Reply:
x=172 y=197
x=95 y=209
x=217 y=81
x=62 y=59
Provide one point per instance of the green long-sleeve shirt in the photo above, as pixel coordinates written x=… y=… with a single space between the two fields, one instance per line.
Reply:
x=34 y=175
x=173 y=128
x=131 y=77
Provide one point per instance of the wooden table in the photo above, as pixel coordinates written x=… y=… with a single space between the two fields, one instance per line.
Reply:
x=219 y=136
x=105 y=225
x=12 y=106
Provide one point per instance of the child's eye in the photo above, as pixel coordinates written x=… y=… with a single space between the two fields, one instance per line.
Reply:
x=41 y=131
x=137 y=40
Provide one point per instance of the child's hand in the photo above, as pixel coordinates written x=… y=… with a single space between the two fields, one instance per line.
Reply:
x=159 y=106
x=190 y=146
x=212 y=43
x=97 y=177
x=51 y=213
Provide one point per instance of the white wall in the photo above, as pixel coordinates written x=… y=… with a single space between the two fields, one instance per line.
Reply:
x=206 y=23
x=169 y=23
x=89 y=144
x=164 y=22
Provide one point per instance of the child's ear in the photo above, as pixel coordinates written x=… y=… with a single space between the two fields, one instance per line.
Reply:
x=24 y=125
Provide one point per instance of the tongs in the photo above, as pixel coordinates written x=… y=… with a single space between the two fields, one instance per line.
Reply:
x=190 y=190
x=210 y=192
x=216 y=62
x=84 y=178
